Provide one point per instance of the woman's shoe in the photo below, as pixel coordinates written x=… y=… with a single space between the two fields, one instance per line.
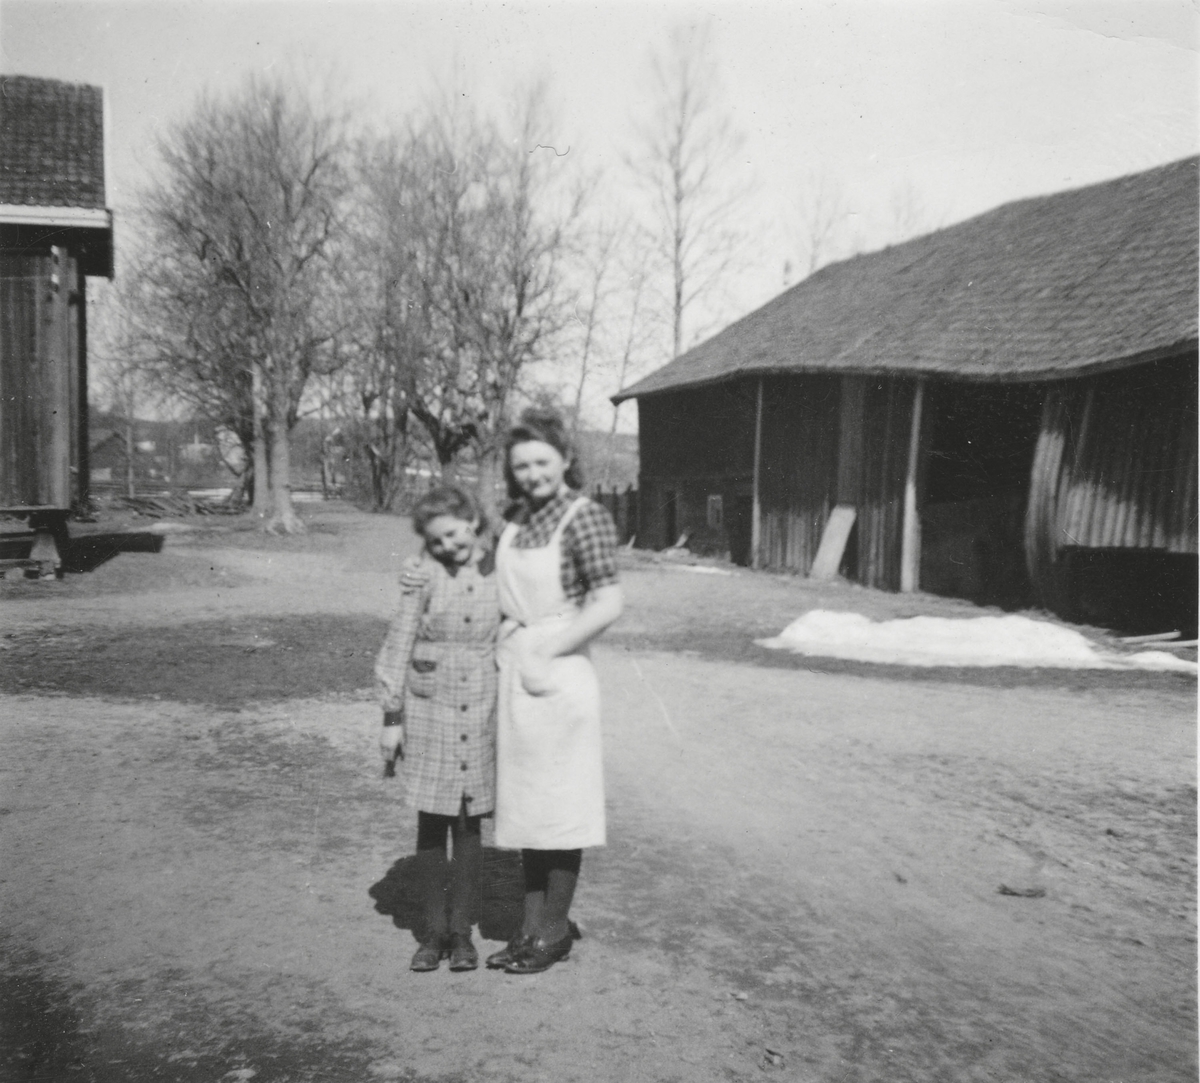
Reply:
x=463 y=955
x=429 y=955
x=538 y=956
x=500 y=959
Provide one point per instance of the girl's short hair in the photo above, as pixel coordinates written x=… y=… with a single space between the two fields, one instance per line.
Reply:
x=447 y=500
x=545 y=426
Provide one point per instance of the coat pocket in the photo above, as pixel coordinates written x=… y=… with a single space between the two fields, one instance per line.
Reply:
x=422 y=677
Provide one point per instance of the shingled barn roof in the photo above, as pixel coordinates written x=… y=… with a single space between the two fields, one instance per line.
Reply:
x=51 y=143
x=1055 y=286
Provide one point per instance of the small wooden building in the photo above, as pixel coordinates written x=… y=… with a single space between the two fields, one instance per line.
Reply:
x=55 y=231
x=967 y=412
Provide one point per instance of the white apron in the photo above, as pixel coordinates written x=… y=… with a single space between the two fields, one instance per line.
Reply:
x=549 y=765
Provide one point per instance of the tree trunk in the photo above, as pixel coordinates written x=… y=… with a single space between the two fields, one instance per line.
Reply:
x=284 y=519
x=261 y=500
x=130 y=451
x=491 y=479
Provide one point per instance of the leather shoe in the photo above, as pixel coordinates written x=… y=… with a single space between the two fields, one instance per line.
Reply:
x=428 y=956
x=463 y=955
x=539 y=955
x=498 y=960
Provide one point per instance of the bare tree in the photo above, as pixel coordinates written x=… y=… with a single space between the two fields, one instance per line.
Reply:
x=117 y=369
x=823 y=218
x=633 y=340
x=388 y=335
x=909 y=215
x=245 y=226
x=685 y=157
x=488 y=238
x=597 y=257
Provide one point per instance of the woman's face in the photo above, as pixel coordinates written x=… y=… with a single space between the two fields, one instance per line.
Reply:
x=450 y=540
x=538 y=469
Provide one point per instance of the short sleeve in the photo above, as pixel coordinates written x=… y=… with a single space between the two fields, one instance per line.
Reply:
x=591 y=540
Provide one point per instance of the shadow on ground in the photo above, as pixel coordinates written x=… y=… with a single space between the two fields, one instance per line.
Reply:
x=502 y=898
x=48 y=1033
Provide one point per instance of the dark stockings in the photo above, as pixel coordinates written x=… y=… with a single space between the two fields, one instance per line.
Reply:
x=550 y=878
x=450 y=889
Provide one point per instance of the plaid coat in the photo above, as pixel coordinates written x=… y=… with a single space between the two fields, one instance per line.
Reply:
x=438 y=663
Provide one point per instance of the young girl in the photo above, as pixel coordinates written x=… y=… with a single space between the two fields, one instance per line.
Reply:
x=437 y=675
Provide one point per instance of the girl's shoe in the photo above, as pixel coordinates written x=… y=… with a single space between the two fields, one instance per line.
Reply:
x=500 y=959
x=429 y=955
x=538 y=956
x=463 y=955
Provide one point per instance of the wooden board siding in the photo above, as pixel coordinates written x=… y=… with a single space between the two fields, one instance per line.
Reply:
x=37 y=408
x=694 y=444
x=700 y=442
x=704 y=433
x=799 y=475
x=1115 y=466
x=886 y=430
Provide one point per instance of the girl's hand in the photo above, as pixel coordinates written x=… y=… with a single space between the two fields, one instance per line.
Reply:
x=413 y=575
x=391 y=743
x=536 y=676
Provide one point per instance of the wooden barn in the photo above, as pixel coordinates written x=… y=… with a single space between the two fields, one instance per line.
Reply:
x=55 y=231
x=1003 y=410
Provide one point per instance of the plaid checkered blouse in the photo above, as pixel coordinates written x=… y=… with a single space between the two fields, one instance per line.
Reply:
x=589 y=542
x=438 y=663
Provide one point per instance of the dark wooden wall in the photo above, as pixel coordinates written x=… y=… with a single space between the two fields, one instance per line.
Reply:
x=701 y=442
x=1115 y=466
x=694 y=443
x=40 y=381
x=798 y=479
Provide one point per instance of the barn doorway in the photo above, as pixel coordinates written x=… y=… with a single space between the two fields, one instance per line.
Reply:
x=980 y=445
x=739 y=525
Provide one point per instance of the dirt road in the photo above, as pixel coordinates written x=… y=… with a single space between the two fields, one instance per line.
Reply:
x=204 y=876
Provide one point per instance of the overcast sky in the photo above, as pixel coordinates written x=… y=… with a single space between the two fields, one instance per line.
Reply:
x=970 y=103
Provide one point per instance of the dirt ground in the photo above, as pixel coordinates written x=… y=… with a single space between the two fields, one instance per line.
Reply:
x=816 y=871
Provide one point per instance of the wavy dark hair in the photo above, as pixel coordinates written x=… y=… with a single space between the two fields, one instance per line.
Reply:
x=547 y=427
x=448 y=500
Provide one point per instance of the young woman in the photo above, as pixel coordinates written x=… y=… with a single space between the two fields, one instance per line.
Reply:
x=556 y=576
x=437 y=675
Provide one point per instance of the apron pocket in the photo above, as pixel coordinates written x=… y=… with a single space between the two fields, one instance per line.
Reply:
x=422 y=681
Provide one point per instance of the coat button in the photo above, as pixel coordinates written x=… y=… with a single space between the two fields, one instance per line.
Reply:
x=466 y=620
x=464 y=767
x=463 y=738
x=464 y=707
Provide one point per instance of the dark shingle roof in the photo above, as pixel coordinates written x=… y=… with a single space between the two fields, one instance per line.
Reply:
x=51 y=143
x=1054 y=286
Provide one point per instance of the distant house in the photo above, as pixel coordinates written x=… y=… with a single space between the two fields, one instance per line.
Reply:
x=981 y=411
x=55 y=231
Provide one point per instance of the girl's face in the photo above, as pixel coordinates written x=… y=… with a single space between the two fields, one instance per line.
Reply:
x=538 y=469
x=450 y=540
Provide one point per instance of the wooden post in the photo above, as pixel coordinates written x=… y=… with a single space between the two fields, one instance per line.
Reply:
x=83 y=485
x=910 y=543
x=756 y=512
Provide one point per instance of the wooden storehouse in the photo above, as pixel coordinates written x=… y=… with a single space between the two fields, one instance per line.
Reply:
x=55 y=231
x=997 y=410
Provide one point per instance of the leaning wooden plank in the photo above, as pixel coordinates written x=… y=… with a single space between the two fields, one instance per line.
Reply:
x=833 y=542
x=1157 y=637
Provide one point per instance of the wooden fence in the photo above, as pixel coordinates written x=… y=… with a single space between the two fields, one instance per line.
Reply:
x=623 y=507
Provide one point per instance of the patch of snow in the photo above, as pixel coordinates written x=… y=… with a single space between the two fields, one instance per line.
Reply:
x=973 y=641
x=703 y=569
x=164 y=526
